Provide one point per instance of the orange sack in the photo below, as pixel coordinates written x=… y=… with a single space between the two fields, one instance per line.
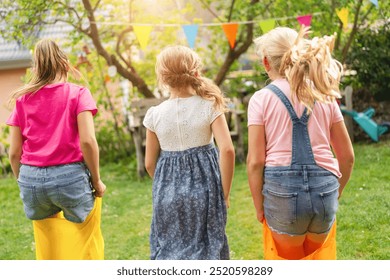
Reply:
x=59 y=239
x=326 y=252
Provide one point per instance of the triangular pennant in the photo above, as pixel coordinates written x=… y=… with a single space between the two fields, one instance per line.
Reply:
x=304 y=20
x=230 y=30
x=375 y=2
x=343 y=16
x=191 y=31
x=142 y=33
x=267 y=25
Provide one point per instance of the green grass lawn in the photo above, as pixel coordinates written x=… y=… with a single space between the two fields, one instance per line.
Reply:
x=363 y=220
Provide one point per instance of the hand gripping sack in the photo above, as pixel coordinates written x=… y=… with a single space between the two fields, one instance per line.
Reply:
x=326 y=252
x=59 y=239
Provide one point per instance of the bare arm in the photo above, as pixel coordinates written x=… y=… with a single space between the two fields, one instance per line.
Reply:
x=255 y=166
x=90 y=150
x=227 y=155
x=343 y=149
x=15 y=150
x=152 y=152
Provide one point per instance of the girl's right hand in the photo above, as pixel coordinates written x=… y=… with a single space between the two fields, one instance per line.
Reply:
x=260 y=216
x=99 y=188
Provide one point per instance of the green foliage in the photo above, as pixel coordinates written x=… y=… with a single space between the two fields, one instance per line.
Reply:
x=362 y=219
x=5 y=166
x=25 y=18
x=370 y=58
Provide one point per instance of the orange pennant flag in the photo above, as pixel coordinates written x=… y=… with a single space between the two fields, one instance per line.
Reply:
x=230 y=30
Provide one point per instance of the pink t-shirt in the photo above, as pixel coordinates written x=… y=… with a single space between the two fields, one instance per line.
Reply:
x=265 y=108
x=48 y=122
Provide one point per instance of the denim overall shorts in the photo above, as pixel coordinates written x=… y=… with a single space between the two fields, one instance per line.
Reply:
x=302 y=197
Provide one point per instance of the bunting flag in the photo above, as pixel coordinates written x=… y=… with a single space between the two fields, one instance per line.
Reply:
x=304 y=20
x=230 y=30
x=142 y=30
x=267 y=25
x=142 y=33
x=191 y=31
x=375 y=2
x=343 y=16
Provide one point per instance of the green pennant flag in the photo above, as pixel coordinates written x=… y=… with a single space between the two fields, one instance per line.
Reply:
x=267 y=25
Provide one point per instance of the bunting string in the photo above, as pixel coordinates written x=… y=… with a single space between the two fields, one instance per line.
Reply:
x=142 y=30
x=199 y=24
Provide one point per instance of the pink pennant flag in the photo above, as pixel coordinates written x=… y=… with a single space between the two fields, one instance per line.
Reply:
x=230 y=30
x=304 y=20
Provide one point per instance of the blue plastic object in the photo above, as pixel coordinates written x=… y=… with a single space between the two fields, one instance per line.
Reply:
x=366 y=123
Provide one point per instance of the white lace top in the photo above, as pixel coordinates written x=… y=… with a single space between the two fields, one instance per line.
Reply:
x=182 y=123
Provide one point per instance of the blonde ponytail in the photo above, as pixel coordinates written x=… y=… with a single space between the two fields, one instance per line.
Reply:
x=310 y=69
x=307 y=64
x=207 y=89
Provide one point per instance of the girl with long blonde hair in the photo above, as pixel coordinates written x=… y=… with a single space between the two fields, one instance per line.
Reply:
x=53 y=149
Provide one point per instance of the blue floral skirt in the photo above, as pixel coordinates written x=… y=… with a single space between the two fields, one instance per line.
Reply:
x=189 y=211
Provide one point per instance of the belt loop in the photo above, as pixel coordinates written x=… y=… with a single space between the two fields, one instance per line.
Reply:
x=305 y=175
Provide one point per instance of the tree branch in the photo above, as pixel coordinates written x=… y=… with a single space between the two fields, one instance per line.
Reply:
x=133 y=77
x=207 y=6
x=236 y=52
x=231 y=11
x=354 y=30
x=118 y=52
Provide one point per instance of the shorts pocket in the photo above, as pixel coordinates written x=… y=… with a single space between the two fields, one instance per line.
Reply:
x=330 y=203
x=281 y=206
x=28 y=194
x=75 y=192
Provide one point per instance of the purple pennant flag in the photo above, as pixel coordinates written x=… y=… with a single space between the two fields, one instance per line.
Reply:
x=191 y=31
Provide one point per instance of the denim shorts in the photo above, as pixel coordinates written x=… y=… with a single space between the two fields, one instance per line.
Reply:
x=300 y=199
x=46 y=191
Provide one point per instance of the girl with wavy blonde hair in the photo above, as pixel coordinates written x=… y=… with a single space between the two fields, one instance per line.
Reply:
x=53 y=140
x=191 y=180
x=294 y=127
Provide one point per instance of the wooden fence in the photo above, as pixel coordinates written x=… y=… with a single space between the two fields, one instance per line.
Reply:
x=139 y=107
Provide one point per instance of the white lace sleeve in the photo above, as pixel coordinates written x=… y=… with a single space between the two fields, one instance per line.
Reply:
x=148 y=120
x=214 y=113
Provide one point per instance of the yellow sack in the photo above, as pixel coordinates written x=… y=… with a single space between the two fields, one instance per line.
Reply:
x=326 y=252
x=59 y=239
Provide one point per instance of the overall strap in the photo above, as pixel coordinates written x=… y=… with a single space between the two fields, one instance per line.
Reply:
x=302 y=153
x=287 y=103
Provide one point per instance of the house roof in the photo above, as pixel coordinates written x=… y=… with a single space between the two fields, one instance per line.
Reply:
x=13 y=55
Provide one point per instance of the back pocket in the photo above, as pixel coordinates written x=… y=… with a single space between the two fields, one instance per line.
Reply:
x=281 y=206
x=76 y=191
x=28 y=194
x=330 y=203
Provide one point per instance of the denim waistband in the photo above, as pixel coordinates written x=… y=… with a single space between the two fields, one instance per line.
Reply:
x=298 y=170
x=189 y=151
x=42 y=174
x=55 y=166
